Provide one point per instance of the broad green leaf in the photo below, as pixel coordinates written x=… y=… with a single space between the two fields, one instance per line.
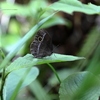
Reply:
x=80 y=86
x=21 y=62
x=14 y=78
x=57 y=58
x=69 y=6
x=29 y=60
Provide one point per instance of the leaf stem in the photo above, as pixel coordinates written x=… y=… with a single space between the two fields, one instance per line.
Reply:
x=54 y=72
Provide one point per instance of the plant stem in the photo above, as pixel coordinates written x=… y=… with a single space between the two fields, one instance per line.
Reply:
x=54 y=72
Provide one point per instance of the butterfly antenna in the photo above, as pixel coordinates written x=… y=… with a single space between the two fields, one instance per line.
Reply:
x=55 y=47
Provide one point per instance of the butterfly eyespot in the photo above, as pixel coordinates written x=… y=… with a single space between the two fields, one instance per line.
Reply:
x=39 y=38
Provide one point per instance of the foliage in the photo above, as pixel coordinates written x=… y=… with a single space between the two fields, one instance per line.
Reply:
x=20 y=73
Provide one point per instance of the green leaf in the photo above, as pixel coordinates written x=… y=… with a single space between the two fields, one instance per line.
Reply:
x=29 y=60
x=57 y=58
x=80 y=86
x=69 y=6
x=21 y=62
x=13 y=79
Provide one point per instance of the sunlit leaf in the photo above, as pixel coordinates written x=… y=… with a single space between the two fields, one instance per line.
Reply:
x=29 y=60
x=70 y=6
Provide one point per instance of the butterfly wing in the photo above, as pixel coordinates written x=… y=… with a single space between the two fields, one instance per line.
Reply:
x=42 y=45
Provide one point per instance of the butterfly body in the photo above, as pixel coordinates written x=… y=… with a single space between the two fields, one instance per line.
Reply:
x=42 y=45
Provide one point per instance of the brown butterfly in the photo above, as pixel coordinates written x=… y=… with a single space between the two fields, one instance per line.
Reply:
x=42 y=45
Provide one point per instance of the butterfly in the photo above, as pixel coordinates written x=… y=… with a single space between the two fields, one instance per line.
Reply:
x=42 y=45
